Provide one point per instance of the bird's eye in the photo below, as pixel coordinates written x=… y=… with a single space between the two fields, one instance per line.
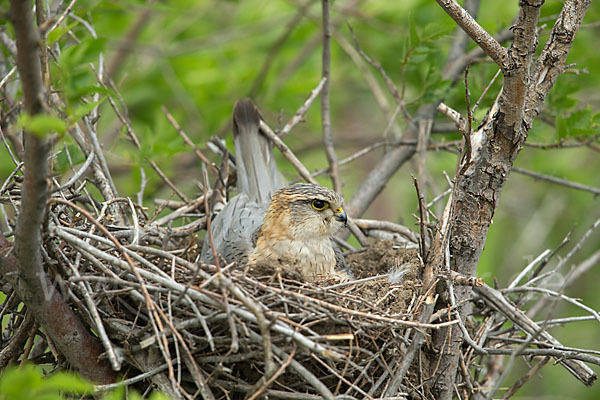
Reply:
x=319 y=205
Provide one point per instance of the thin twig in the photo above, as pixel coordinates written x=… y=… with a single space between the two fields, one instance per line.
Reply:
x=325 y=112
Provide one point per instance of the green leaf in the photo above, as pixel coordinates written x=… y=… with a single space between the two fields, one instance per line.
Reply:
x=578 y=123
x=82 y=110
x=69 y=383
x=19 y=384
x=42 y=124
x=58 y=32
x=62 y=160
x=414 y=37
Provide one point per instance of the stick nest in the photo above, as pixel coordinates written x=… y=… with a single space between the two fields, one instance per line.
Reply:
x=235 y=331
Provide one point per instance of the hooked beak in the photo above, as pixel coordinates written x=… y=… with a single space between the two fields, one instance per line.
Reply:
x=340 y=215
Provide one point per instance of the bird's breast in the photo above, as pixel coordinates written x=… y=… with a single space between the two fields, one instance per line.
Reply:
x=313 y=258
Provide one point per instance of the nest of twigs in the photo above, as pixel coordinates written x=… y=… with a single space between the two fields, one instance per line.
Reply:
x=167 y=321
x=231 y=331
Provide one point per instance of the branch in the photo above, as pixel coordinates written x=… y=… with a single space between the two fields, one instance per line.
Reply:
x=286 y=152
x=501 y=304
x=551 y=62
x=325 y=112
x=483 y=39
x=25 y=272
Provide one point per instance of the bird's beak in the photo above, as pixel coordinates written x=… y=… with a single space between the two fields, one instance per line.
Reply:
x=340 y=215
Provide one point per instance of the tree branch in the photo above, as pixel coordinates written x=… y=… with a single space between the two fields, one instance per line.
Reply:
x=325 y=111
x=25 y=272
x=495 y=147
x=479 y=35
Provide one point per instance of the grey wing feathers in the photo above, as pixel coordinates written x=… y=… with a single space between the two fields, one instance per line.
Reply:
x=257 y=171
x=232 y=230
x=340 y=261
x=257 y=179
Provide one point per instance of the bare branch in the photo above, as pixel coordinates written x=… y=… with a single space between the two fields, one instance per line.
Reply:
x=476 y=32
x=58 y=320
x=325 y=111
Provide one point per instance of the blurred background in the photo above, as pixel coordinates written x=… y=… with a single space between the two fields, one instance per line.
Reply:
x=196 y=58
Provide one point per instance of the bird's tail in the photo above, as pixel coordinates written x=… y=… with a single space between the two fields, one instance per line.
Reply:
x=257 y=173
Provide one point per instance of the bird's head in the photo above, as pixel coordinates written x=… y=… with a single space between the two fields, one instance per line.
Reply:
x=304 y=211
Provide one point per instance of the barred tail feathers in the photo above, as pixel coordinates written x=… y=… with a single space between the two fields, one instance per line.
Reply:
x=257 y=173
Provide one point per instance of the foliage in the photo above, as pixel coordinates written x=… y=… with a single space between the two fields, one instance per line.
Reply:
x=29 y=382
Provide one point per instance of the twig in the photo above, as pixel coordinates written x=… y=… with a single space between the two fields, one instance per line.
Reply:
x=501 y=304
x=286 y=152
x=407 y=359
x=279 y=371
x=491 y=47
x=186 y=139
x=387 y=226
x=299 y=116
x=528 y=268
x=135 y=140
x=325 y=113
x=559 y=181
x=422 y=231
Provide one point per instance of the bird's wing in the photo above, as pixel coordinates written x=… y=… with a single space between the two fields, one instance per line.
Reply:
x=232 y=229
x=257 y=179
x=340 y=262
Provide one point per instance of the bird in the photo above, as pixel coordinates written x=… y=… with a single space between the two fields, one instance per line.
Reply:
x=269 y=223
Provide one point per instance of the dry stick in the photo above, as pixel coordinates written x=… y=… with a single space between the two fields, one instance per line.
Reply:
x=286 y=152
x=408 y=357
x=195 y=370
x=7 y=76
x=552 y=293
x=135 y=140
x=11 y=350
x=353 y=157
x=279 y=371
x=79 y=173
x=372 y=82
x=559 y=181
x=487 y=88
x=500 y=303
x=422 y=222
x=308 y=376
x=186 y=139
x=299 y=116
x=342 y=379
x=151 y=306
x=389 y=82
x=519 y=383
x=130 y=381
x=99 y=328
x=325 y=103
x=57 y=319
x=387 y=226
x=375 y=317
x=479 y=35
